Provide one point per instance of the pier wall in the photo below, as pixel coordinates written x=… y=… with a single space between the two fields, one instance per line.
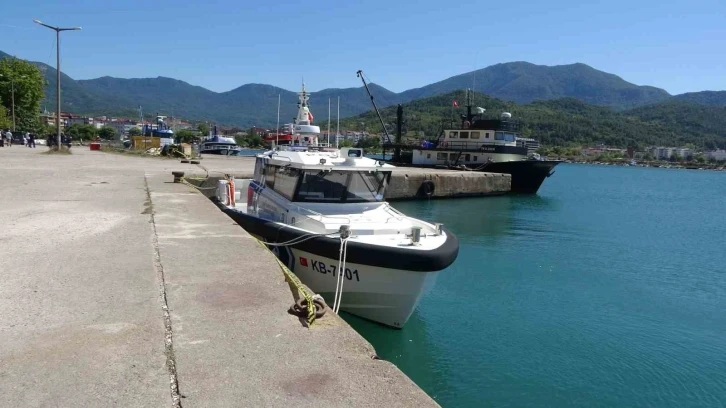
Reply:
x=410 y=183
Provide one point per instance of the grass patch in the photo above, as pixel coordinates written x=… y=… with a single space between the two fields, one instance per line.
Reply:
x=54 y=150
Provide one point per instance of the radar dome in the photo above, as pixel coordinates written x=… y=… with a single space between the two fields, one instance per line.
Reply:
x=480 y=110
x=506 y=115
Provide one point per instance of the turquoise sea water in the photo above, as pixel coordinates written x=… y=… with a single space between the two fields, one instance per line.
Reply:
x=606 y=289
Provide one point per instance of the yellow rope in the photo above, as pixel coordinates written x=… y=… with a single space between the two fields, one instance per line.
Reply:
x=289 y=275
x=292 y=278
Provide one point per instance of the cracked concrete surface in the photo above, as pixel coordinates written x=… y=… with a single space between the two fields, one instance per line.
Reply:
x=82 y=324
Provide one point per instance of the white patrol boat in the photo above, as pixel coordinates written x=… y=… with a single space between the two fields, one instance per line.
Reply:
x=323 y=211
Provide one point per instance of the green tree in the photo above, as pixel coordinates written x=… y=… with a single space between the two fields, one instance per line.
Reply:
x=369 y=143
x=81 y=132
x=23 y=82
x=700 y=159
x=346 y=143
x=648 y=157
x=134 y=131
x=107 y=133
x=5 y=121
x=203 y=128
x=254 y=141
x=185 y=136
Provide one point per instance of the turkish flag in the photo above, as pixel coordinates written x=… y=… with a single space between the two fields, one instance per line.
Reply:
x=310 y=117
x=455 y=104
x=303 y=261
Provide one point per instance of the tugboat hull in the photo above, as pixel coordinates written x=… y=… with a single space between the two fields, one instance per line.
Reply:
x=527 y=175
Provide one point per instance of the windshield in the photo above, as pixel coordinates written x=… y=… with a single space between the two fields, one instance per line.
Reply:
x=341 y=186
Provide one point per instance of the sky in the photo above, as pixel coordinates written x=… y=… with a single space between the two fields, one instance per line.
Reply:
x=679 y=46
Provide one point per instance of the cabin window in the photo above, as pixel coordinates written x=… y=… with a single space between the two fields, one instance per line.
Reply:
x=467 y=157
x=270 y=171
x=324 y=186
x=441 y=156
x=475 y=158
x=286 y=181
x=475 y=135
x=341 y=186
x=507 y=137
x=428 y=155
x=463 y=135
x=452 y=156
x=486 y=135
x=366 y=186
x=453 y=135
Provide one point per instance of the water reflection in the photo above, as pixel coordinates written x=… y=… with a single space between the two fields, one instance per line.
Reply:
x=474 y=218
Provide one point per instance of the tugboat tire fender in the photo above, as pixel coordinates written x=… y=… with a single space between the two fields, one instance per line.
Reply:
x=428 y=187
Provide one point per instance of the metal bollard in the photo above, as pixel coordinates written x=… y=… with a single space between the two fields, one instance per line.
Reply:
x=177 y=176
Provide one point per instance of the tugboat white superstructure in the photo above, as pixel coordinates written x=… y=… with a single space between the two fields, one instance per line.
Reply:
x=308 y=197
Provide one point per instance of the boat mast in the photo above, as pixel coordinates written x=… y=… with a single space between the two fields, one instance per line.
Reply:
x=277 y=129
x=328 y=121
x=385 y=131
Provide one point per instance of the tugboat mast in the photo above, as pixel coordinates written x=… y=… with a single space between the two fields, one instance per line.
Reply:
x=385 y=131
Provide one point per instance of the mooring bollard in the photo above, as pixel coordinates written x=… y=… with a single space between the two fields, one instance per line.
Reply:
x=177 y=176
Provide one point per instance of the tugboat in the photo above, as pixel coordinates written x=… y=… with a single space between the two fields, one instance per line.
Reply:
x=487 y=145
x=321 y=210
x=216 y=144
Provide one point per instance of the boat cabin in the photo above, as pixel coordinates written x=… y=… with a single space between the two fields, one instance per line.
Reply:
x=322 y=176
x=479 y=134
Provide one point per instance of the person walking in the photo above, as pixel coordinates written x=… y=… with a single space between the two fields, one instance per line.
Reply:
x=9 y=138
x=31 y=140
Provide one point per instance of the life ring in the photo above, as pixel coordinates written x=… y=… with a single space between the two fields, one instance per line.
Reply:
x=428 y=188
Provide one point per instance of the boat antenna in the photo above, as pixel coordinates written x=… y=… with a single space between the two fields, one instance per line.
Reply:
x=337 y=127
x=277 y=129
x=328 y=121
x=385 y=131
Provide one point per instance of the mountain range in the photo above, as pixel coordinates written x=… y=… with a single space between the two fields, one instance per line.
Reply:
x=567 y=121
x=256 y=104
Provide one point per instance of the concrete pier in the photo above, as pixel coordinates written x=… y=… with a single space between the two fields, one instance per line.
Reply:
x=409 y=183
x=121 y=288
x=406 y=182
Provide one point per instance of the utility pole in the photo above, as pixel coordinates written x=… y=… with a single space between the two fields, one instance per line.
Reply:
x=12 y=96
x=57 y=74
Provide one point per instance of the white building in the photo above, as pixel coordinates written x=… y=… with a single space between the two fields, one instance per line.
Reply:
x=683 y=152
x=718 y=155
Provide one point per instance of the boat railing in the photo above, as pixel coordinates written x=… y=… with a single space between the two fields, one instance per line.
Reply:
x=468 y=145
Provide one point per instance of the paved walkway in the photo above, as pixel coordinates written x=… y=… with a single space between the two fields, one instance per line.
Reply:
x=95 y=246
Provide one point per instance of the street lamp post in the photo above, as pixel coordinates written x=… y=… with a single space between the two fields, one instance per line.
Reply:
x=57 y=73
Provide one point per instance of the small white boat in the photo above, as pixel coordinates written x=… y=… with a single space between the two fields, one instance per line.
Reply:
x=217 y=144
x=325 y=207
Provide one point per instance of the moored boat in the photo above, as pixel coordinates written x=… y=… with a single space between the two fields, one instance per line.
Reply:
x=487 y=145
x=322 y=212
x=218 y=144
